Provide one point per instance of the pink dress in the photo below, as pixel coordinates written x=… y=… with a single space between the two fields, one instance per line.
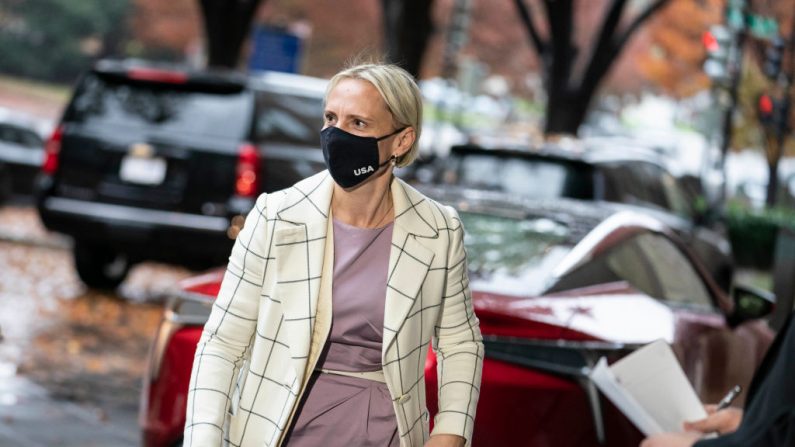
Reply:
x=350 y=411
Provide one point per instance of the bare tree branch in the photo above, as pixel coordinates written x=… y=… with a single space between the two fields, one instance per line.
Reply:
x=527 y=20
x=602 y=58
x=642 y=17
x=604 y=43
x=226 y=24
x=407 y=28
x=610 y=25
x=560 y=15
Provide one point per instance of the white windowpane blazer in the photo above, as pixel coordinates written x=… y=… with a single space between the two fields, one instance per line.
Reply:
x=273 y=314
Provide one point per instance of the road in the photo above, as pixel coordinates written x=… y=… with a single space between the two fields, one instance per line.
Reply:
x=71 y=359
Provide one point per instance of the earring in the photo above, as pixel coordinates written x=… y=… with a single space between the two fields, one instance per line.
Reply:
x=394 y=160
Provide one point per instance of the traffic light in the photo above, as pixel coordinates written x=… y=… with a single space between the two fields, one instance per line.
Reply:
x=773 y=58
x=773 y=113
x=717 y=43
x=765 y=108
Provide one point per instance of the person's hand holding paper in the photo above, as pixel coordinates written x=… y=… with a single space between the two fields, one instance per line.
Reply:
x=722 y=422
x=719 y=421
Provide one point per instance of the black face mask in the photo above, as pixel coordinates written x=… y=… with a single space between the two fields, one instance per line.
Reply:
x=351 y=159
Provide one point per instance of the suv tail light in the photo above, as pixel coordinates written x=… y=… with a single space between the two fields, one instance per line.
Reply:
x=52 y=149
x=248 y=163
x=149 y=74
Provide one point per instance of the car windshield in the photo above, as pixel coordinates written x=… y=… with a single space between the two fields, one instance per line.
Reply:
x=512 y=256
x=167 y=108
x=535 y=178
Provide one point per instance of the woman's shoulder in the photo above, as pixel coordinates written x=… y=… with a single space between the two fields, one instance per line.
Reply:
x=273 y=200
x=445 y=215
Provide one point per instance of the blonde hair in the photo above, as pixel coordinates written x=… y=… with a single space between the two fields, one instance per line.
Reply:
x=400 y=93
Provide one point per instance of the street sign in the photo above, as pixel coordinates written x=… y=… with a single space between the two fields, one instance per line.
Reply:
x=762 y=27
x=735 y=19
x=275 y=49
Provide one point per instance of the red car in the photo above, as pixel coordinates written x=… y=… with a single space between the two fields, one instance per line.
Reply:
x=556 y=286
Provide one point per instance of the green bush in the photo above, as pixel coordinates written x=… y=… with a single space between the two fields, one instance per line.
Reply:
x=753 y=234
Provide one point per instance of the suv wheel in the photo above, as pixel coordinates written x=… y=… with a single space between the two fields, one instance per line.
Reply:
x=99 y=267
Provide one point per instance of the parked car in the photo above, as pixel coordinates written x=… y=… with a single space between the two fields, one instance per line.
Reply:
x=636 y=178
x=155 y=162
x=556 y=285
x=21 y=156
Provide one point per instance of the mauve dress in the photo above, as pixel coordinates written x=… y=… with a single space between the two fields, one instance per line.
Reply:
x=351 y=411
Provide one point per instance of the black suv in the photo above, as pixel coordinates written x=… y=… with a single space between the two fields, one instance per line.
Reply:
x=152 y=162
x=637 y=178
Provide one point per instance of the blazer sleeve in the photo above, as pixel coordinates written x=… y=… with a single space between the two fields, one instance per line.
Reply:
x=458 y=344
x=227 y=334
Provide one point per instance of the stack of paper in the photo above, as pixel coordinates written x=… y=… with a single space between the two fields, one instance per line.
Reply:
x=650 y=388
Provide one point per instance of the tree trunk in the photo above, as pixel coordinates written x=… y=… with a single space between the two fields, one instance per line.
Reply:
x=111 y=41
x=226 y=25
x=565 y=112
x=407 y=28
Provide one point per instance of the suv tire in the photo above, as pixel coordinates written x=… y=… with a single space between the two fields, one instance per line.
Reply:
x=100 y=267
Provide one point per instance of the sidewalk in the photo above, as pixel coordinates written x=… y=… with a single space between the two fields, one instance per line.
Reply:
x=20 y=223
x=30 y=418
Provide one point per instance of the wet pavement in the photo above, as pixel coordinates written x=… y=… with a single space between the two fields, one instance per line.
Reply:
x=71 y=358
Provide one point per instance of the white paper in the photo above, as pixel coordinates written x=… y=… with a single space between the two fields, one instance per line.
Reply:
x=650 y=388
x=606 y=381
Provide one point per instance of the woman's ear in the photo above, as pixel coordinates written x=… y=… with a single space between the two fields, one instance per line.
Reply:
x=404 y=142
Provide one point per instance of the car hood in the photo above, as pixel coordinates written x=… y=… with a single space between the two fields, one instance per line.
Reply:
x=613 y=312
x=604 y=313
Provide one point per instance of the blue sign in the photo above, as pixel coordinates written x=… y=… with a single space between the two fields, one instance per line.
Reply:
x=275 y=49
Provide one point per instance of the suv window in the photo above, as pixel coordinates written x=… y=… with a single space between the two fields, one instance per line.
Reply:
x=288 y=118
x=650 y=263
x=635 y=183
x=112 y=101
x=535 y=178
x=676 y=196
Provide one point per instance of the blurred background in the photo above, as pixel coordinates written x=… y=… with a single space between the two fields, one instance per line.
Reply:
x=134 y=134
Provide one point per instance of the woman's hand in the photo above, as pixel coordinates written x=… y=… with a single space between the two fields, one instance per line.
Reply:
x=686 y=439
x=446 y=441
x=723 y=421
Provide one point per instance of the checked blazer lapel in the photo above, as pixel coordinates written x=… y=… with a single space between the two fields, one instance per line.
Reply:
x=409 y=260
x=300 y=244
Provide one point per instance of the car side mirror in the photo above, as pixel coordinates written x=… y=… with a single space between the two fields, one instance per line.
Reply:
x=750 y=303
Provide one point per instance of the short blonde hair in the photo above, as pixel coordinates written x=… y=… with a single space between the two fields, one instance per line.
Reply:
x=401 y=95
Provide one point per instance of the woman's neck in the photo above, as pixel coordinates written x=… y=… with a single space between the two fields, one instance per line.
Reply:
x=368 y=206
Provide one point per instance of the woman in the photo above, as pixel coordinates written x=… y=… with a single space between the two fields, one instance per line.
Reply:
x=333 y=291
